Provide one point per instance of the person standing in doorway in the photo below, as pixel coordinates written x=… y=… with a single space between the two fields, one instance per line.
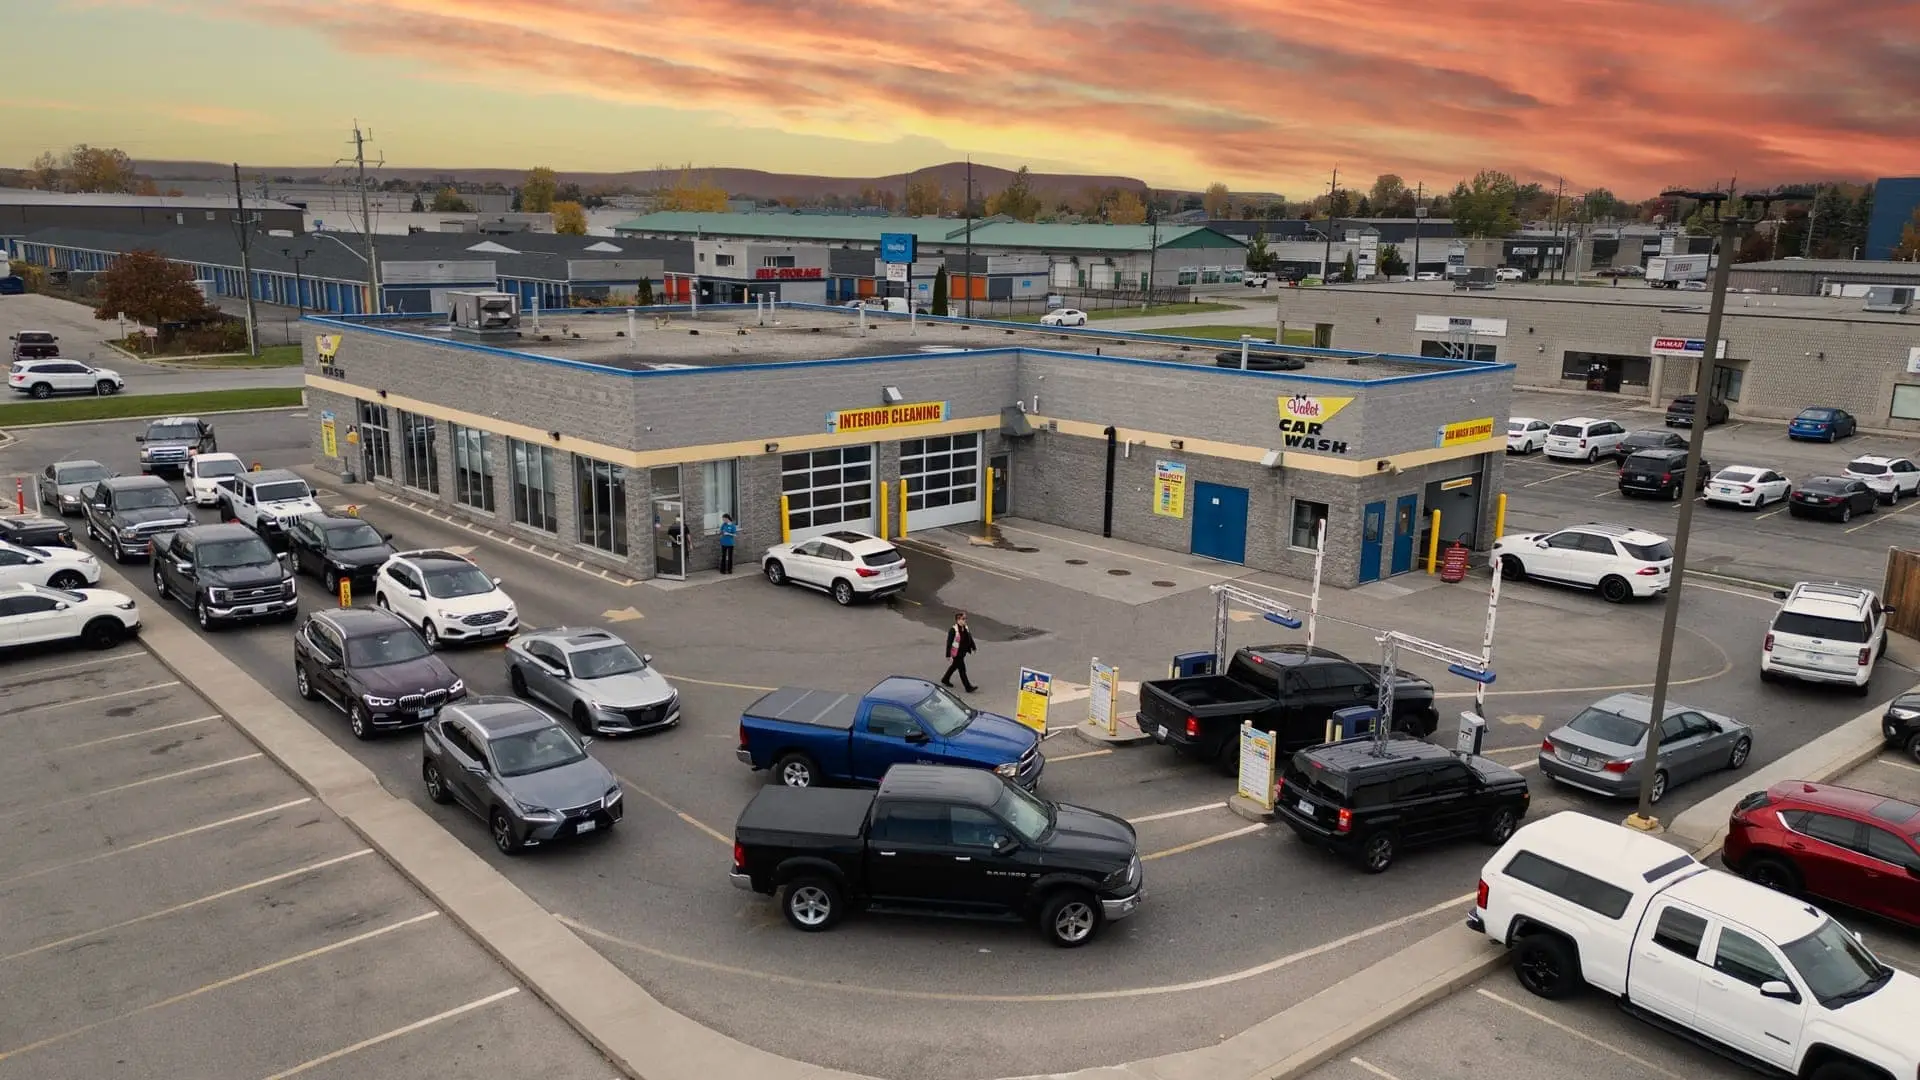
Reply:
x=728 y=531
x=959 y=644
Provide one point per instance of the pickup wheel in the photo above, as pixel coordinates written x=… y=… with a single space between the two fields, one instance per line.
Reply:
x=1070 y=918
x=303 y=684
x=812 y=904
x=797 y=770
x=1500 y=826
x=1377 y=853
x=1547 y=965
x=1227 y=758
x=160 y=583
x=1843 y=1070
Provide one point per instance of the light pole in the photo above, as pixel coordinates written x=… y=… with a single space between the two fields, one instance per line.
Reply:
x=1702 y=395
x=299 y=289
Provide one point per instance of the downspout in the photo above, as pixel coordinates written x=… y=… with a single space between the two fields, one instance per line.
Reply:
x=1113 y=447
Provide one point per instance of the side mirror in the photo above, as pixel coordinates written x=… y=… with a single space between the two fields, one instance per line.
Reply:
x=61 y=606
x=496 y=583
x=1541 y=544
x=586 y=741
x=1779 y=991
x=554 y=666
x=916 y=736
x=386 y=536
x=1889 y=609
x=1779 y=594
x=646 y=658
x=1003 y=845
x=183 y=566
x=286 y=562
x=139 y=438
x=477 y=769
x=416 y=594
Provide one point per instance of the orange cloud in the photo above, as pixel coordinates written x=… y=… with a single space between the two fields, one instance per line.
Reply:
x=1630 y=94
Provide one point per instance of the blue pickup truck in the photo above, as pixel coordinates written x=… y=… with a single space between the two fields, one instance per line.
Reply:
x=807 y=737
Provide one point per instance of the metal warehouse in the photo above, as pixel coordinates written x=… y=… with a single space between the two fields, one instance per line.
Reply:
x=621 y=438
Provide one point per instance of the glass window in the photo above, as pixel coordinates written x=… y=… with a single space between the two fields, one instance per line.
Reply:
x=890 y=720
x=719 y=481
x=600 y=504
x=1906 y=402
x=535 y=751
x=1307 y=517
x=974 y=828
x=1681 y=931
x=472 y=475
x=533 y=501
x=1889 y=848
x=376 y=450
x=913 y=823
x=1746 y=959
x=1569 y=884
x=1838 y=831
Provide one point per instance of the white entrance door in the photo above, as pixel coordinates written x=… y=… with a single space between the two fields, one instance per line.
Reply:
x=827 y=490
x=943 y=480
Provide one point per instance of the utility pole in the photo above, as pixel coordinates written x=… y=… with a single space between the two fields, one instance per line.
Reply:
x=969 y=210
x=1326 y=257
x=1813 y=215
x=1559 y=189
x=1419 y=212
x=1153 y=250
x=359 y=161
x=244 y=227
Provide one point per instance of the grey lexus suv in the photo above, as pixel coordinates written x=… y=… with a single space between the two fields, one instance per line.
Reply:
x=520 y=770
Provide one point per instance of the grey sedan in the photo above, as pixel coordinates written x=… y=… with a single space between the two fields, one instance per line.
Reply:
x=593 y=678
x=521 y=771
x=63 y=484
x=1604 y=749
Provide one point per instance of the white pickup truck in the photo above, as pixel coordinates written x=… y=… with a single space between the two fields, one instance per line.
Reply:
x=266 y=501
x=1753 y=974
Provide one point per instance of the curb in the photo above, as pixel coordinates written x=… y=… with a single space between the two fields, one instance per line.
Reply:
x=1129 y=733
x=1252 y=811
x=4 y=437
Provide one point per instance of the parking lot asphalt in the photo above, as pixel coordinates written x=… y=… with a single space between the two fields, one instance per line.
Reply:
x=82 y=337
x=1767 y=545
x=1495 y=1030
x=1241 y=920
x=178 y=906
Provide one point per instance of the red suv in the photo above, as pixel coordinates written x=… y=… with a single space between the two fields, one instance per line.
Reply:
x=1851 y=847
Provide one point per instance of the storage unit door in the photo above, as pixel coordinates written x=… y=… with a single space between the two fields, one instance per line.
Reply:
x=943 y=480
x=827 y=490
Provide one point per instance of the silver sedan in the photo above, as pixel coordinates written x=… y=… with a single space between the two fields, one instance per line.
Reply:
x=63 y=484
x=1604 y=749
x=594 y=678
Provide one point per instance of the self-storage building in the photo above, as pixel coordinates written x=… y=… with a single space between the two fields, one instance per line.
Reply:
x=623 y=437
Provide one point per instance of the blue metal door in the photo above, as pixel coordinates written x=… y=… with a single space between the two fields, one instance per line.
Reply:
x=1373 y=525
x=1220 y=522
x=1405 y=513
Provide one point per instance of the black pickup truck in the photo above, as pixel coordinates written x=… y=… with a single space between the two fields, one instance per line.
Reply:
x=1290 y=690
x=935 y=838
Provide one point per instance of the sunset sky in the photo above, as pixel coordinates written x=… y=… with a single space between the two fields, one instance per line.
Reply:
x=1263 y=94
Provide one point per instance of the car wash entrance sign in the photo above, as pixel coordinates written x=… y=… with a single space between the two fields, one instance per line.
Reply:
x=1303 y=421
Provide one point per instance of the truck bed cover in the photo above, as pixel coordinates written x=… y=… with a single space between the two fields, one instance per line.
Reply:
x=817 y=708
x=814 y=812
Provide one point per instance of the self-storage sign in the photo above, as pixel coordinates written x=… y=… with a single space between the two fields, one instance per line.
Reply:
x=841 y=421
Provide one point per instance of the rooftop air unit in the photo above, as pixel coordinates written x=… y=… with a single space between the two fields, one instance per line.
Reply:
x=1896 y=299
x=483 y=313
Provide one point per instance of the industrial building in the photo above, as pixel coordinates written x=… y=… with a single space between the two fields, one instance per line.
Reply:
x=1782 y=352
x=1819 y=277
x=23 y=211
x=623 y=440
x=1896 y=199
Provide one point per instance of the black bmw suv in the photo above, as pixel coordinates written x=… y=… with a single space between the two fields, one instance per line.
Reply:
x=1661 y=474
x=336 y=548
x=372 y=666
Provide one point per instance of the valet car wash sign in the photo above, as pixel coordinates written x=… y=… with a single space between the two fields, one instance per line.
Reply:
x=841 y=421
x=1303 y=419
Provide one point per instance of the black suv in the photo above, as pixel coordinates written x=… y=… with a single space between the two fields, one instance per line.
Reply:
x=372 y=666
x=225 y=573
x=336 y=548
x=1680 y=412
x=1901 y=724
x=125 y=513
x=1364 y=802
x=1637 y=441
x=1662 y=474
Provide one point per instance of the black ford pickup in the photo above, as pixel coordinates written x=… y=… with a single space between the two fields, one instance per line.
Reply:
x=935 y=838
x=1289 y=690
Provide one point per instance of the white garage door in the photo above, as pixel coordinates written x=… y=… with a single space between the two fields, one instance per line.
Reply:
x=943 y=480
x=828 y=490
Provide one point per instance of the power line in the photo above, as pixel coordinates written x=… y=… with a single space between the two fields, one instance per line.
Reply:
x=359 y=161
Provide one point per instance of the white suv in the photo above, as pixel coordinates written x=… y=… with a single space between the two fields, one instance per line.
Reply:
x=1889 y=477
x=1825 y=632
x=1619 y=562
x=1583 y=438
x=45 y=378
x=207 y=475
x=845 y=564
x=446 y=596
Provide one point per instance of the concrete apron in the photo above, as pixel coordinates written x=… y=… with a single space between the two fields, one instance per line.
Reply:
x=649 y=1041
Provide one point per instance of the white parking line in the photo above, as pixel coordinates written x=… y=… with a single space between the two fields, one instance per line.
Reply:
x=1372 y=1068
x=98 y=697
x=1877 y=518
x=187 y=905
x=1204 y=842
x=131 y=734
x=107 y=658
x=1176 y=813
x=1895 y=764
x=1077 y=757
x=125 y=848
x=1581 y=1035
x=405 y=1029
x=1555 y=476
x=1771 y=513
x=128 y=787
x=217 y=985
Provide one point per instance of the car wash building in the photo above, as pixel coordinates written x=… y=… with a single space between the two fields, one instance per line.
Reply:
x=623 y=441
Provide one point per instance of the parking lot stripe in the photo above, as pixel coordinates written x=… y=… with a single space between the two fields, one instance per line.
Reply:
x=710 y=682
x=131 y=734
x=1771 y=513
x=674 y=810
x=188 y=905
x=1077 y=757
x=220 y=984
x=1581 y=1035
x=1175 y=813
x=1877 y=518
x=1897 y=764
x=98 y=697
x=1372 y=1068
x=107 y=658
x=1555 y=476
x=129 y=787
x=123 y=849
x=1204 y=841
x=405 y=1029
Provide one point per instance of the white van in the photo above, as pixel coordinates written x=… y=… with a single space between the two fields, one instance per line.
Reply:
x=1825 y=632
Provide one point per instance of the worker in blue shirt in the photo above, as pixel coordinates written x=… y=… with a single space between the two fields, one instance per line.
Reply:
x=728 y=530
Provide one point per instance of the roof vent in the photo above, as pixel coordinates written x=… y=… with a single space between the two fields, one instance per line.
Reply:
x=1893 y=299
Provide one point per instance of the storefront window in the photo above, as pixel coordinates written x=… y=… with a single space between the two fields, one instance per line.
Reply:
x=1906 y=402
x=600 y=504
x=533 y=502
x=472 y=477
x=376 y=451
x=718 y=479
x=1307 y=517
x=419 y=457
x=1457 y=350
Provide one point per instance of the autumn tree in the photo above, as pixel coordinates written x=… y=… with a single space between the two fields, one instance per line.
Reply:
x=448 y=201
x=1215 y=200
x=147 y=187
x=537 y=190
x=144 y=286
x=1484 y=208
x=98 y=168
x=1599 y=204
x=1386 y=191
x=44 y=173
x=1908 y=249
x=694 y=194
x=1017 y=200
x=569 y=218
x=1259 y=259
x=925 y=198
x=1127 y=209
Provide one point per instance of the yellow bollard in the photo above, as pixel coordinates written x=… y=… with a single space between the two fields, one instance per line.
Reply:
x=1433 y=545
x=785 y=535
x=989 y=502
x=346 y=592
x=903 y=509
x=1500 y=516
x=884 y=522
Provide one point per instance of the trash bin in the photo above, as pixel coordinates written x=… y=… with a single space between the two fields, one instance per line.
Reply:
x=1188 y=664
x=1351 y=723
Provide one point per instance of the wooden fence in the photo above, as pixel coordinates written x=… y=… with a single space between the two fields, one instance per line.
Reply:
x=1901 y=591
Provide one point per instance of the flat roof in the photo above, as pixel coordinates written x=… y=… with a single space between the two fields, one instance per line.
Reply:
x=736 y=336
x=1743 y=302
x=32 y=197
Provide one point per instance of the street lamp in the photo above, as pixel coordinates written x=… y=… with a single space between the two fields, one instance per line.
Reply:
x=1730 y=226
x=299 y=289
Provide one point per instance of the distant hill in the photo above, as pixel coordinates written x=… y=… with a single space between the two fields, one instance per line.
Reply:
x=739 y=182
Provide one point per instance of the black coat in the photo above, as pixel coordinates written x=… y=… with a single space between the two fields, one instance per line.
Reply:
x=962 y=637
